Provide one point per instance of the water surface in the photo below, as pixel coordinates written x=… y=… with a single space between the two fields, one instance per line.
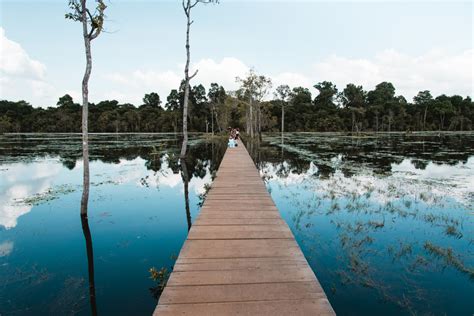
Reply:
x=138 y=219
x=385 y=221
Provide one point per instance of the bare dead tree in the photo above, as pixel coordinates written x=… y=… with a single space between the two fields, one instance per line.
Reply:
x=92 y=26
x=188 y=5
x=282 y=93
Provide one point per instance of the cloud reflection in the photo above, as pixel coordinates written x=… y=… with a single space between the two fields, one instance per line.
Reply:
x=21 y=181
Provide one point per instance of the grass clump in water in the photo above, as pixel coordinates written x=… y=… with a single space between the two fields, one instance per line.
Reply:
x=450 y=258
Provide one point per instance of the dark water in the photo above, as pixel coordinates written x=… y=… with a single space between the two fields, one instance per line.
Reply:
x=138 y=219
x=386 y=222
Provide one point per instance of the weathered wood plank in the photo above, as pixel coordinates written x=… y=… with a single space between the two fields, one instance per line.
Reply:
x=261 y=308
x=241 y=293
x=240 y=257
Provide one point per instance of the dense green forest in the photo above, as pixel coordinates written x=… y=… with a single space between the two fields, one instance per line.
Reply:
x=351 y=110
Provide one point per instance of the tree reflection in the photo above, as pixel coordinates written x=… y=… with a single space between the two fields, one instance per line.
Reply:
x=88 y=238
x=90 y=261
x=185 y=176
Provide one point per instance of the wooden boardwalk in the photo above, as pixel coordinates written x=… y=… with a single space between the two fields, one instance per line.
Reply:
x=240 y=257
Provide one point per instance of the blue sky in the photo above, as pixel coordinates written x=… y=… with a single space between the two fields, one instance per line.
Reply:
x=417 y=46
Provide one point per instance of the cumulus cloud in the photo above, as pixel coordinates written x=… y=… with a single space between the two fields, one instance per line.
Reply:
x=21 y=77
x=16 y=62
x=131 y=87
x=435 y=70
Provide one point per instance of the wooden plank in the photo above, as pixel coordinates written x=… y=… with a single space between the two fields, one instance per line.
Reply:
x=241 y=293
x=239 y=235
x=261 y=308
x=235 y=264
x=240 y=257
x=248 y=276
x=238 y=221
x=231 y=214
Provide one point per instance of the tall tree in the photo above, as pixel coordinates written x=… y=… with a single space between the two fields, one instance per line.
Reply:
x=423 y=99
x=353 y=98
x=188 y=5
x=92 y=26
x=283 y=93
x=255 y=88
x=152 y=99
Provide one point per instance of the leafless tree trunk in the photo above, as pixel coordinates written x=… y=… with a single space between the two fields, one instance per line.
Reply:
x=81 y=13
x=212 y=120
x=259 y=121
x=85 y=111
x=187 y=10
x=251 y=118
x=187 y=6
x=282 y=125
x=377 y=122
x=424 y=118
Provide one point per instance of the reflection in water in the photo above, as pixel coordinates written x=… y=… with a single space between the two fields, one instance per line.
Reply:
x=85 y=227
x=90 y=261
x=378 y=218
x=136 y=207
x=185 y=176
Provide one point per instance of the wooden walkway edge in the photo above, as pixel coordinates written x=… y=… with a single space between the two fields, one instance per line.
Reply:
x=240 y=257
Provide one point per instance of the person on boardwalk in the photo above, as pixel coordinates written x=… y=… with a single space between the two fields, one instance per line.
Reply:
x=232 y=138
x=231 y=143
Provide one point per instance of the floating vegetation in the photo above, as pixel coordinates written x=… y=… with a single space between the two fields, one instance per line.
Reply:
x=450 y=258
x=451 y=230
x=161 y=278
x=203 y=195
x=357 y=200
x=47 y=196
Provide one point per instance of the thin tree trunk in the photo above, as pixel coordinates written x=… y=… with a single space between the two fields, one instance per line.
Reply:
x=282 y=117
x=424 y=118
x=85 y=111
x=282 y=123
x=186 y=84
x=377 y=122
x=212 y=120
x=259 y=121
x=251 y=119
x=90 y=263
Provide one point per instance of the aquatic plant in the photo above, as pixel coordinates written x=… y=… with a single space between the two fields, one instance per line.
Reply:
x=449 y=257
x=161 y=278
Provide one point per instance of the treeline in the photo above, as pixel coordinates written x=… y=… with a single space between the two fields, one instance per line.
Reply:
x=351 y=110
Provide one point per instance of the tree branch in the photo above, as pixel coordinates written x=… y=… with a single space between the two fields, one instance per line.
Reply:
x=194 y=4
x=194 y=75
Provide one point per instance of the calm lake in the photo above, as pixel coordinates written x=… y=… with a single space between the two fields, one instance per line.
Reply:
x=385 y=221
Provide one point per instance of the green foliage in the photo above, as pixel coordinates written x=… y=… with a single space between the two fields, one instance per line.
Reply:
x=80 y=13
x=352 y=109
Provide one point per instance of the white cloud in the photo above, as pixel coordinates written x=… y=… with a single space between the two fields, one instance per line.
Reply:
x=435 y=70
x=16 y=62
x=131 y=87
x=21 y=77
